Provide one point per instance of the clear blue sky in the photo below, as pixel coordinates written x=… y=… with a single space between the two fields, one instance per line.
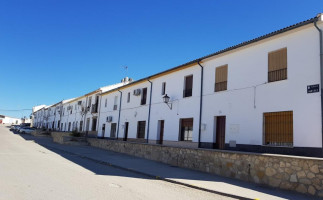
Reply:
x=58 y=49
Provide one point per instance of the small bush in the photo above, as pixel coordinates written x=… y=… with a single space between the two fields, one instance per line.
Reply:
x=75 y=133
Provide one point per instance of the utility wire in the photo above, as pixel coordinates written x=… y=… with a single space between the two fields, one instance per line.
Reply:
x=15 y=110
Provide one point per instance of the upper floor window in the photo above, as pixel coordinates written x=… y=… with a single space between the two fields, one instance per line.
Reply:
x=143 y=96
x=106 y=103
x=277 y=65
x=221 y=78
x=163 y=92
x=90 y=101
x=188 y=86
x=115 y=105
x=128 y=97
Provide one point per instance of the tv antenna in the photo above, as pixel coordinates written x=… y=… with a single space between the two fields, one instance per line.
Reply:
x=126 y=69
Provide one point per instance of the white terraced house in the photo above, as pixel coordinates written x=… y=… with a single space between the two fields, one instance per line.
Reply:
x=76 y=114
x=263 y=95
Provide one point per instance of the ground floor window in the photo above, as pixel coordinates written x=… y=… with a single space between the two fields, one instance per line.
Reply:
x=69 y=126
x=113 y=130
x=278 y=128
x=141 y=129
x=186 y=129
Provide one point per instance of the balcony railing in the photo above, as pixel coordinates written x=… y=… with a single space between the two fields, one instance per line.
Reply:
x=277 y=75
x=221 y=86
x=187 y=93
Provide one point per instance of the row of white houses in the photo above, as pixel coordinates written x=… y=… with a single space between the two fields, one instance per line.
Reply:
x=263 y=95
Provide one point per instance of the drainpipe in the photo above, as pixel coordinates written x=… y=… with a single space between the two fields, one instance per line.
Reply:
x=201 y=98
x=119 y=114
x=99 y=111
x=321 y=68
x=85 y=112
x=148 y=123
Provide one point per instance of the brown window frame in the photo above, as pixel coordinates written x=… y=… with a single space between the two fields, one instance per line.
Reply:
x=221 y=78
x=278 y=128
x=188 y=89
x=277 y=65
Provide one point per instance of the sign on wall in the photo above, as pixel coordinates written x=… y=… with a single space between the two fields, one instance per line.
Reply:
x=313 y=88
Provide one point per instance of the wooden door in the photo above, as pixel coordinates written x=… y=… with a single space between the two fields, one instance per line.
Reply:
x=126 y=131
x=220 y=132
x=161 y=131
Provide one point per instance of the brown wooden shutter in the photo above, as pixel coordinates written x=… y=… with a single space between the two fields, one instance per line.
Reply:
x=277 y=65
x=221 y=78
x=278 y=128
x=189 y=82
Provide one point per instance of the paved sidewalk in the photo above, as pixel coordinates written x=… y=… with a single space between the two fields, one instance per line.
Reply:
x=208 y=182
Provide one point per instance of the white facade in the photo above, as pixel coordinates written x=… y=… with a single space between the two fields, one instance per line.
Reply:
x=9 y=120
x=247 y=98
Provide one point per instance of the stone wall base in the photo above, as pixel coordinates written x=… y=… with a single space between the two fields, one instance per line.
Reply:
x=301 y=174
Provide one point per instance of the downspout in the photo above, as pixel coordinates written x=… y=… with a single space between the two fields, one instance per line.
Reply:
x=85 y=111
x=201 y=98
x=148 y=123
x=99 y=108
x=119 y=114
x=321 y=69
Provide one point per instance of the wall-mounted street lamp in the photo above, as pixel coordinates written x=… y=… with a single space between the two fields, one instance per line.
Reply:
x=166 y=100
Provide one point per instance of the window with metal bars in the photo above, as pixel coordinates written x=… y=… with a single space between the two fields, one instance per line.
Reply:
x=277 y=65
x=186 y=129
x=278 y=128
x=221 y=78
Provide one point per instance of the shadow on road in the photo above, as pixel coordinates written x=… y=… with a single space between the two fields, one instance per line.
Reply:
x=89 y=158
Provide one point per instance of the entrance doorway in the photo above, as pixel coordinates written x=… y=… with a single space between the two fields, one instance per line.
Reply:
x=126 y=128
x=160 y=131
x=219 y=132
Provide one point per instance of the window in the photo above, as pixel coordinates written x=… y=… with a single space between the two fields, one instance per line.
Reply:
x=113 y=130
x=188 y=86
x=69 y=126
x=128 y=98
x=90 y=101
x=94 y=120
x=106 y=103
x=277 y=65
x=163 y=92
x=73 y=126
x=115 y=105
x=143 y=96
x=278 y=128
x=186 y=131
x=141 y=128
x=221 y=78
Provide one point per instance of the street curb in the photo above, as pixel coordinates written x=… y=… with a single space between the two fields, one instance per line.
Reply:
x=150 y=175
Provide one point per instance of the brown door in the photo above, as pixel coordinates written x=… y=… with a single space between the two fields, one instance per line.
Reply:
x=126 y=131
x=161 y=131
x=220 y=132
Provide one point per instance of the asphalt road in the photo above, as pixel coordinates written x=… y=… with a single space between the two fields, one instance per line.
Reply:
x=30 y=171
